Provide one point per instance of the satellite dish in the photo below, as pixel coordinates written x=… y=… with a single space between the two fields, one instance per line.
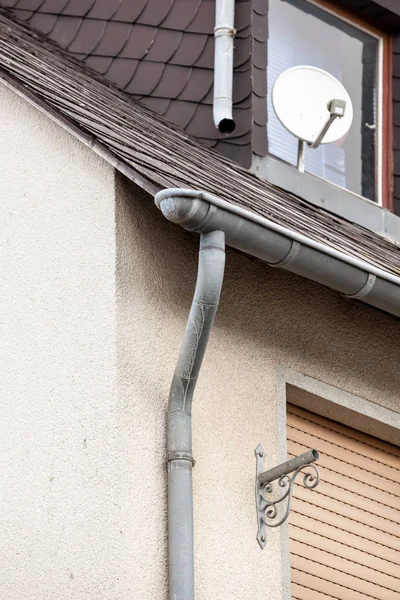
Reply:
x=312 y=104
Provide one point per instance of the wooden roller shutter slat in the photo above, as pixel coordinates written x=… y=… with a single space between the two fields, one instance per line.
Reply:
x=344 y=535
x=346 y=455
x=362 y=489
x=345 y=524
x=364 y=504
x=329 y=575
x=329 y=589
x=351 y=567
x=353 y=434
x=345 y=510
x=300 y=592
x=351 y=555
x=342 y=440
x=339 y=466
x=356 y=542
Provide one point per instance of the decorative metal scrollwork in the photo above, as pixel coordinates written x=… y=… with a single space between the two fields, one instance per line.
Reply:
x=267 y=502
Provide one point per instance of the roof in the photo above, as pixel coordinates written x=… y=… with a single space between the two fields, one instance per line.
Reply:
x=158 y=51
x=161 y=52
x=157 y=155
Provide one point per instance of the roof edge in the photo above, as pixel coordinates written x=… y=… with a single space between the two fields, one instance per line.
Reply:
x=280 y=247
x=88 y=140
x=156 y=155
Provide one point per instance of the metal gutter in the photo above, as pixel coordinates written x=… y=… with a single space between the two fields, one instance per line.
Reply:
x=280 y=247
x=224 y=34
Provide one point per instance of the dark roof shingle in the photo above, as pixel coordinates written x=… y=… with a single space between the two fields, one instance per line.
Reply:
x=173 y=42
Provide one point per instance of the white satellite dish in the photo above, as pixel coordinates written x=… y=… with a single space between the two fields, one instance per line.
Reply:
x=312 y=104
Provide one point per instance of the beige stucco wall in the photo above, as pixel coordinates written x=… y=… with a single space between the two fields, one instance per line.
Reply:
x=59 y=521
x=96 y=287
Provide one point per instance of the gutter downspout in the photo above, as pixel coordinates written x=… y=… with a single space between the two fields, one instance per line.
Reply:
x=224 y=34
x=179 y=428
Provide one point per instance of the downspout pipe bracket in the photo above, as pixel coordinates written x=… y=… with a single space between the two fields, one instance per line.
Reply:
x=181 y=456
x=224 y=30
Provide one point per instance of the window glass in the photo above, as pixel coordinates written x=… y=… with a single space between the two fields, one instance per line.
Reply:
x=301 y=33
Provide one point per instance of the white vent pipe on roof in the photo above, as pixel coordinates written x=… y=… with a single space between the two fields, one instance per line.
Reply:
x=224 y=33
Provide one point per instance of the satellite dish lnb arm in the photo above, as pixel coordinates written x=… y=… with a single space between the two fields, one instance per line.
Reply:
x=336 y=109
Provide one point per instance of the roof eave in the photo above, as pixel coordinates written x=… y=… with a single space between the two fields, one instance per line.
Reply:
x=278 y=246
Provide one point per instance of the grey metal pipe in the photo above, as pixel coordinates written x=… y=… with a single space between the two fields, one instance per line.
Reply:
x=280 y=247
x=179 y=429
x=224 y=34
x=287 y=467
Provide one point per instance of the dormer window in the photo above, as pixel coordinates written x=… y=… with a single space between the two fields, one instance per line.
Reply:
x=302 y=32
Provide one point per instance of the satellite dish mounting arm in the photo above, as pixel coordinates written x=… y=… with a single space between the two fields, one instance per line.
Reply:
x=336 y=109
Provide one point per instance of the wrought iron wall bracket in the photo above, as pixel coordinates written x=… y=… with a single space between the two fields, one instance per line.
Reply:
x=268 y=500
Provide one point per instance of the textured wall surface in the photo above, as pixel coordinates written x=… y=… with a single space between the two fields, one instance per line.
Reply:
x=92 y=316
x=59 y=523
x=267 y=319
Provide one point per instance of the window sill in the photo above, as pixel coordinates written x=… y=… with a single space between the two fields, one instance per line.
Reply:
x=332 y=198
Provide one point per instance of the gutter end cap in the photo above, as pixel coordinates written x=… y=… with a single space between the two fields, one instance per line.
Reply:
x=178 y=205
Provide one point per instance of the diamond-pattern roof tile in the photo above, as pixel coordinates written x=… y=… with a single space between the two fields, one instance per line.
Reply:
x=164 y=46
x=159 y=105
x=43 y=23
x=180 y=113
x=191 y=47
x=146 y=78
x=182 y=14
x=65 y=31
x=203 y=21
x=105 y=9
x=128 y=11
x=53 y=6
x=172 y=82
x=160 y=51
x=29 y=4
x=78 y=8
x=199 y=83
x=155 y=12
x=139 y=42
x=88 y=36
x=101 y=64
x=121 y=71
x=23 y=15
x=114 y=39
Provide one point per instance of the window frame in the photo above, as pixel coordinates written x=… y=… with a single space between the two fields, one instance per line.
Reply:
x=338 y=404
x=384 y=182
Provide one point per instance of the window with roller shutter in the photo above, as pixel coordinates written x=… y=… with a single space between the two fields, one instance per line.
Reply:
x=345 y=538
